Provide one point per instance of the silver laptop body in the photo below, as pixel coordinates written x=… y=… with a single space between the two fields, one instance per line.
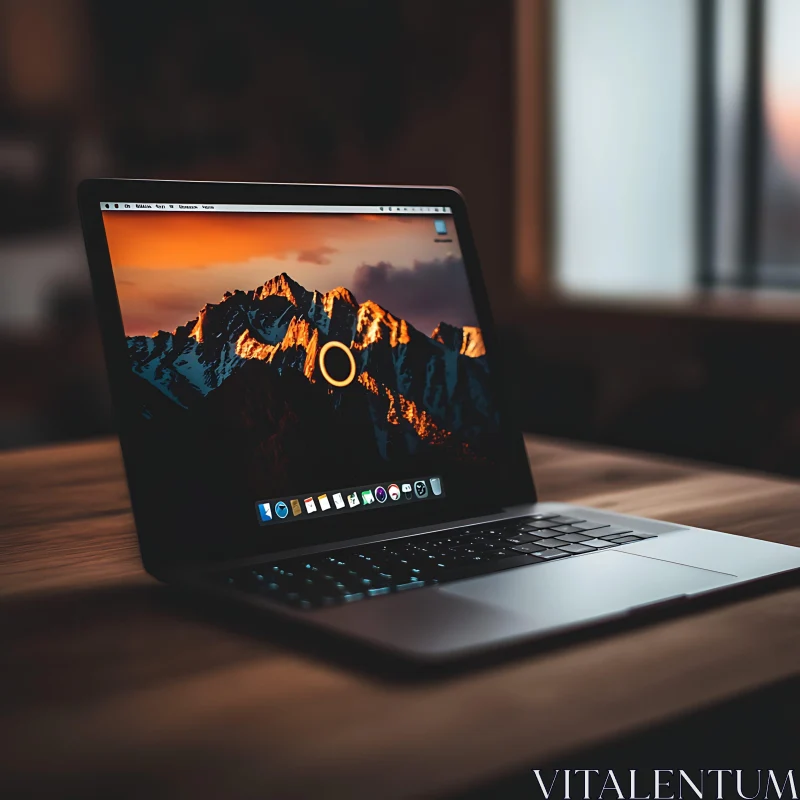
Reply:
x=556 y=569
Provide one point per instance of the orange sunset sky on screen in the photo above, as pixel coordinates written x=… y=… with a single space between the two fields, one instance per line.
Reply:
x=191 y=241
x=168 y=265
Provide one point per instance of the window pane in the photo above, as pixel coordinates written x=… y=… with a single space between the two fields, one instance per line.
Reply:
x=625 y=146
x=780 y=207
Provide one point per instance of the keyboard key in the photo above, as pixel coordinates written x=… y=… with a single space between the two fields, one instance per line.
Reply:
x=576 y=548
x=567 y=529
x=522 y=538
x=574 y=537
x=599 y=544
x=468 y=570
x=612 y=531
x=553 y=542
x=549 y=555
x=565 y=520
x=410 y=585
x=495 y=554
x=590 y=526
x=551 y=534
x=540 y=516
x=539 y=524
x=626 y=539
x=529 y=548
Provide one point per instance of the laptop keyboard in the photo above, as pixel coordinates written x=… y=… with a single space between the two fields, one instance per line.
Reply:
x=399 y=565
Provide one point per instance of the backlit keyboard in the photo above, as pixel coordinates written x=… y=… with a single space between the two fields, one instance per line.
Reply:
x=399 y=565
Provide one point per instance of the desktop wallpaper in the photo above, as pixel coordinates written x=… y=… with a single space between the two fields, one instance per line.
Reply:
x=284 y=353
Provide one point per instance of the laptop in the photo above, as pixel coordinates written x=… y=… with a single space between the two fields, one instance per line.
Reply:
x=313 y=423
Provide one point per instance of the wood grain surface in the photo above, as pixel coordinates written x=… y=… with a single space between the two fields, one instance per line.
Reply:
x=110 y=688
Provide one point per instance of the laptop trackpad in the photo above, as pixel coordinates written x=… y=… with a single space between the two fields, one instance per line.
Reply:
x=577 y=589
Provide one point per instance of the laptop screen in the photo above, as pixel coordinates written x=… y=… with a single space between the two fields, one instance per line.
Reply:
x=295 y=363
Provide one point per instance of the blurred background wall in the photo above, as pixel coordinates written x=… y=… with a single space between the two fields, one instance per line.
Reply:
x=632 y=171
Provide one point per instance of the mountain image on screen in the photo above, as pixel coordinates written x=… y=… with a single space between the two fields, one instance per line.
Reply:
x=245 y=377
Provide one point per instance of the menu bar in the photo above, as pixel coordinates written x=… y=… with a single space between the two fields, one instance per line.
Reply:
x=324 y=504
x=273 y=209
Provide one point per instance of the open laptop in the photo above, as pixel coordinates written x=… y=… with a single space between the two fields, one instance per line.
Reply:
x=313 y=423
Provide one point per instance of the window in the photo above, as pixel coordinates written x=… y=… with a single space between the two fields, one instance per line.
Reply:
x=673 y=150
x=779 y=241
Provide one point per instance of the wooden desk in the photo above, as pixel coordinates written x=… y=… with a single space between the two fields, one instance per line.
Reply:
x=108 y=690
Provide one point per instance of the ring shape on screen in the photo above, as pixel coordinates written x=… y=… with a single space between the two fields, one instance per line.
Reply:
x=325 y=374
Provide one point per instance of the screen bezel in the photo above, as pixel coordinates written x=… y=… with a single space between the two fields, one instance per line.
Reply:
x=517 y=486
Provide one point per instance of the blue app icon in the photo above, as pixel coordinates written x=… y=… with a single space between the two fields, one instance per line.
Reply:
x=264 y=512
x=441 y=227
x=281 y=509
